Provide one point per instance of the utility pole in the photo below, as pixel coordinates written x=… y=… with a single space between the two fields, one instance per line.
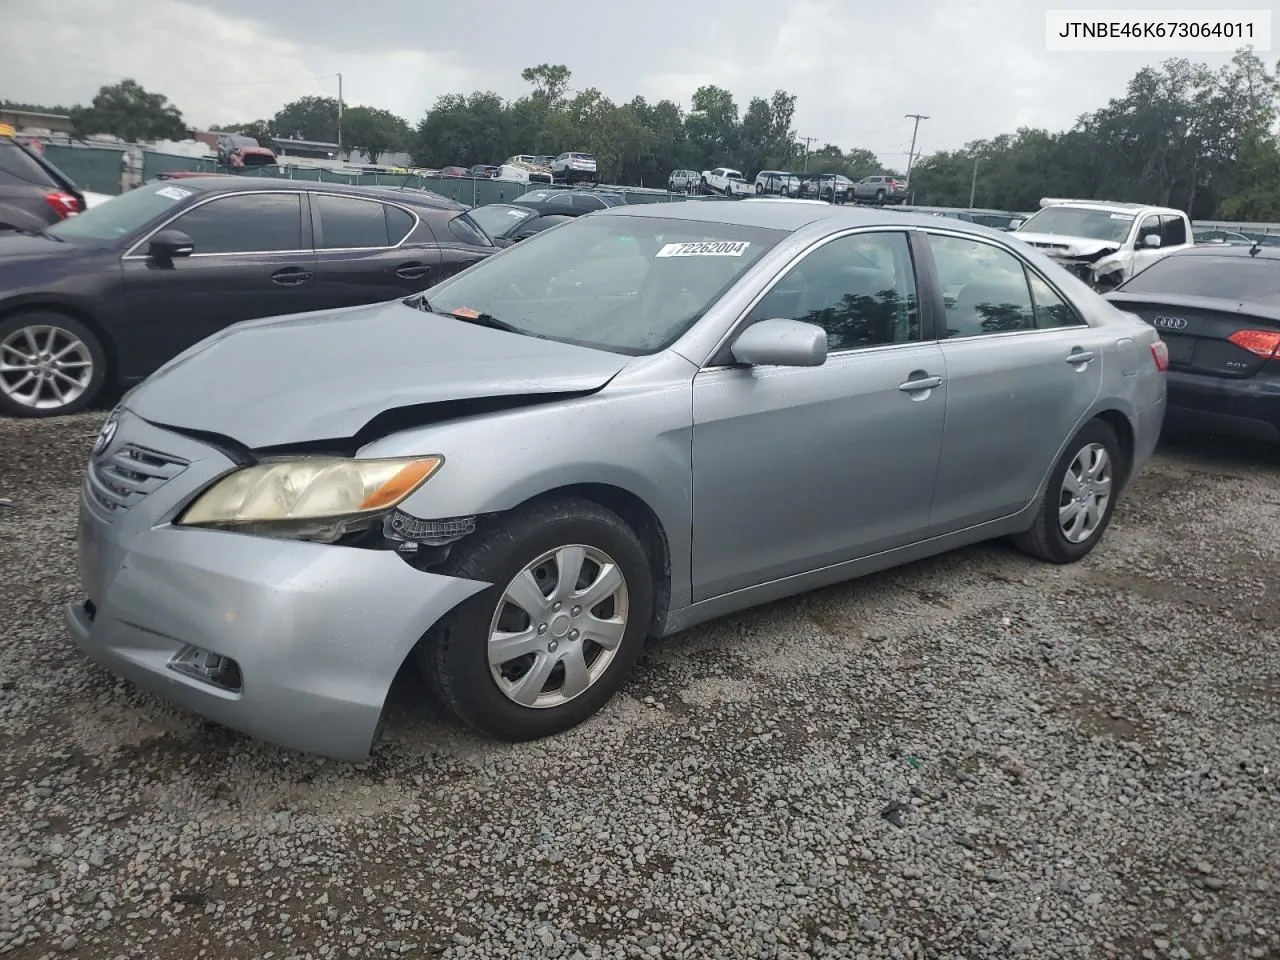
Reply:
x=339 y=116
x=973 y=184
x=911 y=155
x=807 y=141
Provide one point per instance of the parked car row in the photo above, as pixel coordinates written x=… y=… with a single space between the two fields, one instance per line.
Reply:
x=572 y=166
x=834 y=188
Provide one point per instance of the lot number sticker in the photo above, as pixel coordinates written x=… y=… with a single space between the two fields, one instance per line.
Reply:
x=706 y=248
x=173 y=193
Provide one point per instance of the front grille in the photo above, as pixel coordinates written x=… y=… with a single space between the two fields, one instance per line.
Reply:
x=116 y=482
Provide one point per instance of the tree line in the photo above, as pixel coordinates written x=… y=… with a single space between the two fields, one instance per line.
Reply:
x=1181 y=135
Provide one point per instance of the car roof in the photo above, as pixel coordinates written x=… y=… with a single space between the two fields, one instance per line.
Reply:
x=1223 y=250
x=785 y=215
x=216 y=183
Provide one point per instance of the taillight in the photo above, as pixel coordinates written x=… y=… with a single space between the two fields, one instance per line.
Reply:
x=63 y=204
x=1263 y=343
x=1160 y=353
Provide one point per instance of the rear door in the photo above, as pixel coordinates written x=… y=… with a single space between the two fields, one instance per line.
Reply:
x=252 y=259
x=365 y=252
x=1022 y=370
x=1218 y=315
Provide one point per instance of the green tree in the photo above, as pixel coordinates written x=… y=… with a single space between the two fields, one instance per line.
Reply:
x=463 y=130
x=711 y=127
x=550 y=81
x=308 y=118
x=374 y=132
x=130 y=112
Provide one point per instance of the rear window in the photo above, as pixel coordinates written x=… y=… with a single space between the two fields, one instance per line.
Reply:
x=1239 y=279
x=17 y=164
x=465 y=230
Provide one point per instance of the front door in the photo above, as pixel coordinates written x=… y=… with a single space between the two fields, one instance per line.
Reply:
x=252 y=258
x=1022 y=368
x=798 y=468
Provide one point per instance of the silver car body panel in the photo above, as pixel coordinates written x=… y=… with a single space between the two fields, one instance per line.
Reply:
x=751 y=508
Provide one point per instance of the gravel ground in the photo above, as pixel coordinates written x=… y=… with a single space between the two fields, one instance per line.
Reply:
x=974 y=756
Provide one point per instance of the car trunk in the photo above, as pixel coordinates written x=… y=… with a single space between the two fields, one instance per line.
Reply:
x=1208 y=336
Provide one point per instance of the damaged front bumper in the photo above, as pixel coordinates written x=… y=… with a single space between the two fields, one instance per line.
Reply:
x=291 y=642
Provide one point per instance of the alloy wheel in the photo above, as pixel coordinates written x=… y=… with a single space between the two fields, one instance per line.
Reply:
x=44 y=367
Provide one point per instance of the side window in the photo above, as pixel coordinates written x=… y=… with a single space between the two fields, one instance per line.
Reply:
x=1150 y=227
x=351 y=222
x=984 y=288
x=246 y=223
x=399 y=223
x=861 y=289
x=1173 y=231
x=1051 y=309
x=465 y=230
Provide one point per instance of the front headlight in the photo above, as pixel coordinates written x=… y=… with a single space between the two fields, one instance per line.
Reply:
x=314 y=498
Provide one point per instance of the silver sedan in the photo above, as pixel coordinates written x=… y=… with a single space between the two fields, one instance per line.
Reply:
x=642 y=419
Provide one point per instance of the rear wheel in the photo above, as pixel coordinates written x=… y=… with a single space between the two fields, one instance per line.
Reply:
x=50 y=365
x=880 y=196
x=556 y=635
x=1079 y=499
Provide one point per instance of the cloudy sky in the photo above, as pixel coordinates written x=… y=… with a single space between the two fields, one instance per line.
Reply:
x=975 y=67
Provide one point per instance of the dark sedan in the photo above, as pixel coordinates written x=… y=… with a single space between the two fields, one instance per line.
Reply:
x=505 y=223
x=1218 y=310
x=569 y=203
x=106 y=297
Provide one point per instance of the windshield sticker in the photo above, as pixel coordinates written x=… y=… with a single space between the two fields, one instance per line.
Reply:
x=173 y=193
x=515 y=213
x=466 y=313
x=705 y=248
x=1121 y=216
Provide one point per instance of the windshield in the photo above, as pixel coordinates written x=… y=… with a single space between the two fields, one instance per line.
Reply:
x=1238 y=279
x=1080 y=222
x=497 y=219
x=630 y=285
x=123 y=215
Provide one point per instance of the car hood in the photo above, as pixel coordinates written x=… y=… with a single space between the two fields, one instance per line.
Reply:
x=323 y=376
x=1057 y=245
x=25 y=246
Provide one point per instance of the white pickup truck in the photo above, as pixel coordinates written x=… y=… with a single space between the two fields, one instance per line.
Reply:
x=1105 y=243
x=723 y=180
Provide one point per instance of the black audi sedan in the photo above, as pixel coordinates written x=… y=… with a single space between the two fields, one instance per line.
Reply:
x=1218 y=310
x=105 y=297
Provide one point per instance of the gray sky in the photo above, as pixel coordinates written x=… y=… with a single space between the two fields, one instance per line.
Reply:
x=977 y=68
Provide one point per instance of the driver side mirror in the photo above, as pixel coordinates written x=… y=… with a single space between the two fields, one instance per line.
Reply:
x=781 y=343
x=1151 y=240
x=170 y=245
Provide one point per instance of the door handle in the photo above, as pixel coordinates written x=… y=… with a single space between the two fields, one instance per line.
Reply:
x=1079 y=356
x=290 y=276
x=920 y=383
x=412 y=271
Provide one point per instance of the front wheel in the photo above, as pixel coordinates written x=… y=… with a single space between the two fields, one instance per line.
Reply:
x=50 y=365
x=1079 y=499
x=556 y=635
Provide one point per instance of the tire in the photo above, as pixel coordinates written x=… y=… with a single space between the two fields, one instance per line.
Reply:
x=879 y=196
x=455 y=655
x=1047 y=539
x=759 y=188
x=83 y=360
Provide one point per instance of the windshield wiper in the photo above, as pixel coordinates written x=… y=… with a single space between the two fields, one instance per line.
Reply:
x=43 y=234
x=480 y=319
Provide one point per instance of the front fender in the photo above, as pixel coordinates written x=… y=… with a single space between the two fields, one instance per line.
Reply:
x=637 y=440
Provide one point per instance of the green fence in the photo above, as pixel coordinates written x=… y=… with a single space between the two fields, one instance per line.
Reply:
x=96 y=169
x=99 y=168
